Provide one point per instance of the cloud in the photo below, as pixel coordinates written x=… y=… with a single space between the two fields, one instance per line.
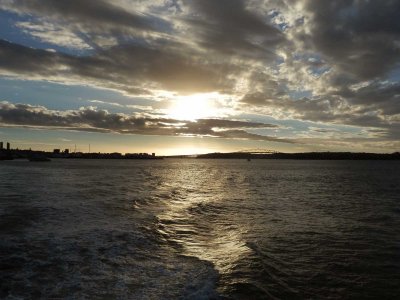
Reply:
x=64 y=140
x=23 y=60
x=329 y=110
x=342 y=59
x=375 y=95
x=53 y=34
x=227 y=26
x=327 y=61
x=358 y=37
x=130 y=67
x=93 y=120
x=199 y=49
x=96 y=15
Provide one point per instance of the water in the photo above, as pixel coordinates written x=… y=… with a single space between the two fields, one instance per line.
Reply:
x=199 y=229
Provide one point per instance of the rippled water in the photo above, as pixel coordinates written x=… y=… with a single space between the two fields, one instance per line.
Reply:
x=199 y=229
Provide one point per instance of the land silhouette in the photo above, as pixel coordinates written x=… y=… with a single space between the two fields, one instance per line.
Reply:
x=304 y=155
x=9 y=154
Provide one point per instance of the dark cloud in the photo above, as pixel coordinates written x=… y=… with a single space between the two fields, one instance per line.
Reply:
x=130 y=67
x=161 y=67
x=357 y=45
x=21 y=59
x=374 y=96
x=229 y=27
x=359 y=37
x=93 y=15
x=333 y=110
x=90 y=119
x=305 y=108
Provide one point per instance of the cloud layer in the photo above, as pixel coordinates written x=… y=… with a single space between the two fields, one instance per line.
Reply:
x=332 y=62
x=94 y=120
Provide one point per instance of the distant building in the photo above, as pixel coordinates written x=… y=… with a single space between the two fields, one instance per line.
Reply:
x=1 y=145
x=56 y=151
x=8 y=146
x=153 y=154
x=66 y=151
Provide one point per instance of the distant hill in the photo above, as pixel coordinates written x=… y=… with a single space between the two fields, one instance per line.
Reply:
x=306 y=155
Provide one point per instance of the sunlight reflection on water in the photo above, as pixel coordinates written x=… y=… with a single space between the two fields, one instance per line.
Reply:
x=222 y=244
x=200 y=229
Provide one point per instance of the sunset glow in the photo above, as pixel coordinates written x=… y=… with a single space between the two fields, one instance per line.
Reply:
x=323 y=74
x=193 y=107
x=199 y=149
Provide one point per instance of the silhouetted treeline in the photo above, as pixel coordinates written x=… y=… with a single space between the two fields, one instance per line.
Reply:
x=306 y=155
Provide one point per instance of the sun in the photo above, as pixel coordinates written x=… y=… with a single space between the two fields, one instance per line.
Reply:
x=193 y=107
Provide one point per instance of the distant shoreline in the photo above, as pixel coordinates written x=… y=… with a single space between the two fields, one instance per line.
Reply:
x=37 y=155
x=304 y=156
x=26 y=154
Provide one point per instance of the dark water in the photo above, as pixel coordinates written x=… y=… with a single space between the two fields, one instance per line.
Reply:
x=199 y=229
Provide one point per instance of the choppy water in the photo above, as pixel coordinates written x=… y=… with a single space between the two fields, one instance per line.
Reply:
x=199 y=229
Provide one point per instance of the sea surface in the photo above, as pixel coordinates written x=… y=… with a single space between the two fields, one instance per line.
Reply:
x=199 y=229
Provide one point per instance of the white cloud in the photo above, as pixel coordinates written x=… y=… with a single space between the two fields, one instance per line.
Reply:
x=53 y=34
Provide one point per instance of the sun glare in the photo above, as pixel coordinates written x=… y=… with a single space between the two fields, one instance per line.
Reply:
x=192 y=107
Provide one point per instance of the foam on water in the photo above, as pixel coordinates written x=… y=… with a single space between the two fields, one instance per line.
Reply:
x=72 y=234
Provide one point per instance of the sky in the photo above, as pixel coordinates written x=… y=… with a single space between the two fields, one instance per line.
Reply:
x=198 y=76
